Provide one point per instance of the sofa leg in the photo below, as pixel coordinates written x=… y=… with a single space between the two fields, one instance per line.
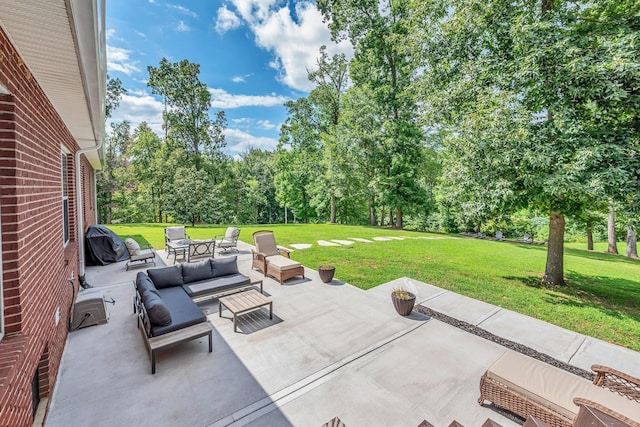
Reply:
x=153 y=362
x=210 y=344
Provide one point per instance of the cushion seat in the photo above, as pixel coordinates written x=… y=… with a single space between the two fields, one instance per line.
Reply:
x=282 y=263
x=183 y=311
x=219 y=284
x=555 y=388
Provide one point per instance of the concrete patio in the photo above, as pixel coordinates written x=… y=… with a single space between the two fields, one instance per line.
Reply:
x=330 y=350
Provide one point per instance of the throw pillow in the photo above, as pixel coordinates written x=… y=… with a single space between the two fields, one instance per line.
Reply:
x=224 y=266
x=143 y=283
x=132 y=246
x=156 y=309
x=166 y=277
x=194 y=271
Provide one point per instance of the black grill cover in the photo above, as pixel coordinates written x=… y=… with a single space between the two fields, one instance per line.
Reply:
x=103 y=246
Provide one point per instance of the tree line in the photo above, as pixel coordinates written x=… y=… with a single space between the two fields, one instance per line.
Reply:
x=453 y=115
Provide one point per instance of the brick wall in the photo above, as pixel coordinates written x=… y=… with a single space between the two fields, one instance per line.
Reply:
x=36 y=265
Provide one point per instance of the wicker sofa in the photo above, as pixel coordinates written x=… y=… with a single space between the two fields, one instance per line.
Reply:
x=164 y=300
x=529 y=387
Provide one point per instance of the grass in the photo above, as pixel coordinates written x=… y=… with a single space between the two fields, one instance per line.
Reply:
x=601 y=299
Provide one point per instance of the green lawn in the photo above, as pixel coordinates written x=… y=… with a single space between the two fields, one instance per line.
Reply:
x=602 y=298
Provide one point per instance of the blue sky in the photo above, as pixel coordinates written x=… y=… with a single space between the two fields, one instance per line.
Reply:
x=253 y=57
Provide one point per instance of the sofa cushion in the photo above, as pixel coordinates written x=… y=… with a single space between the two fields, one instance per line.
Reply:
x=132 y=246
x=195 y=271
x=282 y=263
x=224 y=266
x=554 y=388
x=219 y=284
x=156 y=308
x=143 y=283
x=184 y=312
x=166 y=277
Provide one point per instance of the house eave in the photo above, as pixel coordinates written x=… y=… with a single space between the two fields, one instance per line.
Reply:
x=62 y=42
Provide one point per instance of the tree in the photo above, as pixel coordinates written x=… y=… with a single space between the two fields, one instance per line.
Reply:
x=193 y=195
x=379 y=32
x=145 y=151
x=187 y=103
x=564 y=74
x=114 y=95
x=110 y=183
x=331 y=79
x=298 y=158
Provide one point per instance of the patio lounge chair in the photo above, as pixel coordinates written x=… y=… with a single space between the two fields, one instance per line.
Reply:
x=529 y=387
x=174 y=234
x=138 y=254
x=273 y=260
x=229 y=242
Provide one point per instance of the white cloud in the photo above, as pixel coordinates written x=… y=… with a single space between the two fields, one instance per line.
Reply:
x=226 y=20
x=118 y=60
x=110 y=33
x=183 y=27
x=240 y=79
x=137 y=107
x=266 y=124
x=183 y=10
x=294 y=43
x=223 y=99
x=240 y=142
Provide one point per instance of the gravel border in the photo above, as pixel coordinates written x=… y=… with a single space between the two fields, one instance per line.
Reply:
x=475 y=330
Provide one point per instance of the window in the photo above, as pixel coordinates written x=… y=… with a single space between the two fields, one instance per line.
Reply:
x=65 y=198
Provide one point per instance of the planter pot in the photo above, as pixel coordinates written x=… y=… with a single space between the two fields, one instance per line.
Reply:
x=403 y=305
x=326 y=274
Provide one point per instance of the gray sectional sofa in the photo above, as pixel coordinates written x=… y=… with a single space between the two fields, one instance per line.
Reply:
x=165 y=302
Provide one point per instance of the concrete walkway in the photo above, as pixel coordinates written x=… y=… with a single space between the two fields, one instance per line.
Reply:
x=330 y=350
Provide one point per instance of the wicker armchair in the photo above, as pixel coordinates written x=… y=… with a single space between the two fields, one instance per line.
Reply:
x=528 y=387
x=273 y=260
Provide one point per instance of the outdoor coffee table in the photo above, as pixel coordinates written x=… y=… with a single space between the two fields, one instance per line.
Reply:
x=244 y=302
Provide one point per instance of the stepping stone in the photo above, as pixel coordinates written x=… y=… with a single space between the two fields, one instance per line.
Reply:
x=395 y=238
x=381 y=239
x=344 y=242
x=301 y=245
x=358 y=239
x=325 y=243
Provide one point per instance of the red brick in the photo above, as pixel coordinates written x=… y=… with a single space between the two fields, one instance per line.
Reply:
x=34 y=278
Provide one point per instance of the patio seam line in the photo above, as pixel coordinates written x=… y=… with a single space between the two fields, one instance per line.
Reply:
x=489 y=315
x=442 y=292
x=281 y=397
x=584 y=340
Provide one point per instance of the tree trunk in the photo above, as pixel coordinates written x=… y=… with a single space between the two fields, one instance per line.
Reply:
x=632 y=247
x=373 y=221
x=332 y=220
x=554 y=271
x=399 y=218
x=611 y=229
x=589 y=239
x=382 y=214
x=390 y=217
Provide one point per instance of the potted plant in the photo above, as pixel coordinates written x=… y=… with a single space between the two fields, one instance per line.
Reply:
x=403 y=301
x=326 y=272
